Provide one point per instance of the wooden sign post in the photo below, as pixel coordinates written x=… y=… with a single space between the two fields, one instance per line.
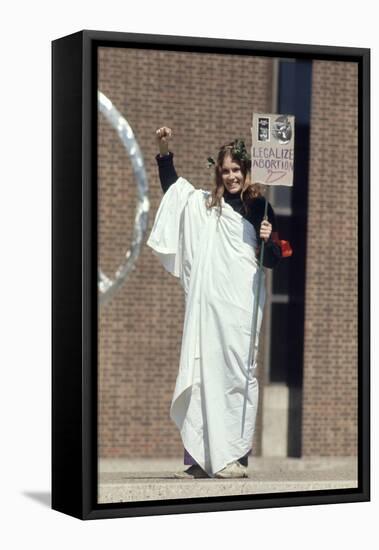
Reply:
x=272 y=163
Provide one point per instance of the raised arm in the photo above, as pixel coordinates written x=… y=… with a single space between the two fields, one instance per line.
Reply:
x=167 y=172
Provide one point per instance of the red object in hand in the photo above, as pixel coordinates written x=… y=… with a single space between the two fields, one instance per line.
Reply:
x=284 y=245
x=286 y=249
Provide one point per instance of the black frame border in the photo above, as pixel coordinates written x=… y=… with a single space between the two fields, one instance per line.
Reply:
x=74 y=274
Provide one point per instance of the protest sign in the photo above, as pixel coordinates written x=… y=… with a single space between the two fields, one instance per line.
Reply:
x=272 y=150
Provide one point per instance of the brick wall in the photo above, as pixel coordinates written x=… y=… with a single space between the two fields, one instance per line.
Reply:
x=207 y=100
x=330 y=359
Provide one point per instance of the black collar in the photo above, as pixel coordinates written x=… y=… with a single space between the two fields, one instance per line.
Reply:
x=233 y=199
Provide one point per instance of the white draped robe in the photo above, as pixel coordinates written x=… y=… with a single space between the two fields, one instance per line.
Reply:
x=214 y=257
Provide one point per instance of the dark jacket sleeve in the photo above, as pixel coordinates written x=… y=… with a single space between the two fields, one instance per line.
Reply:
x=272 y=254
x=167 y=172
x=272 y=251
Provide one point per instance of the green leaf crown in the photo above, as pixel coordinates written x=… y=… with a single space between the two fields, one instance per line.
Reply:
x=238 y=151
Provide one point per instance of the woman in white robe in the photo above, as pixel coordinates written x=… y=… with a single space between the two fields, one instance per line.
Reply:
x=211 y=248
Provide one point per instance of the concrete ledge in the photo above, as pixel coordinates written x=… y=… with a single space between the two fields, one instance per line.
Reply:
x=125 y=480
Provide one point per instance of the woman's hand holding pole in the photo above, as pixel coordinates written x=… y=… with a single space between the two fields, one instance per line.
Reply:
x=265 y=230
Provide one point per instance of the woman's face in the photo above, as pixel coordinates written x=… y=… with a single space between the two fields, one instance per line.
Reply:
x=231 y=174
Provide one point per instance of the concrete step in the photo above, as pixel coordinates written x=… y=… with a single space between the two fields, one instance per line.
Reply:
x=131 y=480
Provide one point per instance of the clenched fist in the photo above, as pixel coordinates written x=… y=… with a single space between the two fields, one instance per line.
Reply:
x=163 y=135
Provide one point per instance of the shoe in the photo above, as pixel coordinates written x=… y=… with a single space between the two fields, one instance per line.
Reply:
x=192 y=472
x=232 y=470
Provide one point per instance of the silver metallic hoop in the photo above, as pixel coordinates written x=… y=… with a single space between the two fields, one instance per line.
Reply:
x=107 y=287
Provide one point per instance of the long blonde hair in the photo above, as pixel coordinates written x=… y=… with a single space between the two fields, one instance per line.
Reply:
x=249 y=191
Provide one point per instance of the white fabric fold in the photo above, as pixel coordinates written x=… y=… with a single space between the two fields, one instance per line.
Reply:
x=214 y=257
